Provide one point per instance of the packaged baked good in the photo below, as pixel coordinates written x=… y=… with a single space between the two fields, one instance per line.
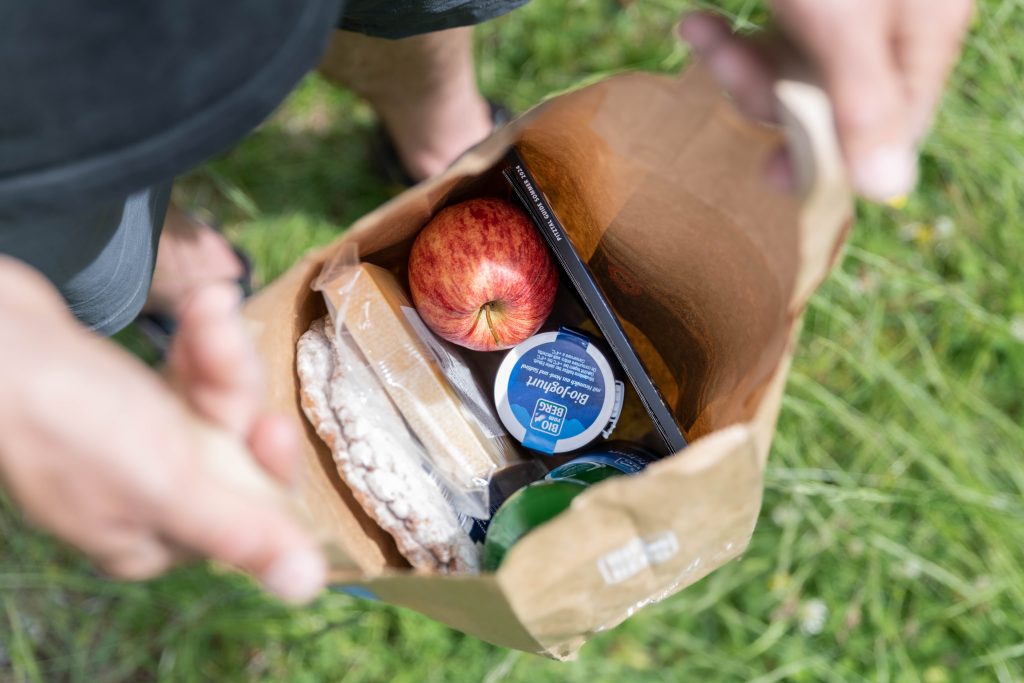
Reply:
x=432 y=388
x=376 y=455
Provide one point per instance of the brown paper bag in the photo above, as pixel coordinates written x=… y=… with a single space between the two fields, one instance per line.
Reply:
x=658 y=182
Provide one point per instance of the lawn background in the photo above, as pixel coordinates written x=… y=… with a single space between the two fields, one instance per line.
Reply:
x=890 y=543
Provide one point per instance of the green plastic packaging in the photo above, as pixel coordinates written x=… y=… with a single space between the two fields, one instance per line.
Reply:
x=544 y=500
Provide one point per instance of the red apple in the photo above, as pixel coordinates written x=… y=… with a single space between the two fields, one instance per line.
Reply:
x=481 y=276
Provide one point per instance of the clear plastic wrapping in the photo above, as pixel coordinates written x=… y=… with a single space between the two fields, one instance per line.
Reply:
x=443 y=406
x=376 y=455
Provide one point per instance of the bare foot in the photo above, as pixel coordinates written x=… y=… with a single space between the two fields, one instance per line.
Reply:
x=428 y=143
x=423 y=88
x=190 y=254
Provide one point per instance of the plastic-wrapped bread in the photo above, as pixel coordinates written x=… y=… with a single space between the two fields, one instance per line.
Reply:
x=375 y=454
x=462 y=448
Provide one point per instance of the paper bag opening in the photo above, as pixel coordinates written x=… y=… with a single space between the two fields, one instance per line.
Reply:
x=658 y=183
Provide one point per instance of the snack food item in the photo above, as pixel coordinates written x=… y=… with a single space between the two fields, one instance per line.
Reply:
x=481 y=276
x=556 y=392
x=542 y=501
x=377 y=314
x=375 y=454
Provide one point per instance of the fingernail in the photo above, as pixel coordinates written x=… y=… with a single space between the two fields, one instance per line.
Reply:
x=297 y=577
x=888 y=172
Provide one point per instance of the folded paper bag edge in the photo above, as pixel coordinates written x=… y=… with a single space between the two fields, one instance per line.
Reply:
x=628 y=565
x=509 y=623
x=827 y=207
x=458 y=601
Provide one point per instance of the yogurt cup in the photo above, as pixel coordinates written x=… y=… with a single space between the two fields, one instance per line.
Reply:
x=557 y=392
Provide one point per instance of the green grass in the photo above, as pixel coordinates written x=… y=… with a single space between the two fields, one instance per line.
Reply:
x=891 y=544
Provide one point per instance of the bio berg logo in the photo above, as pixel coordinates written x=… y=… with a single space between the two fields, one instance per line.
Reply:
x=578 y=397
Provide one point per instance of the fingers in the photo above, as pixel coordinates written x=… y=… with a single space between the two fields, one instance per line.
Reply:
x=927 y=40
x=740 y=66
x=275 y=446
x=252 y=533
x=213 y=362
x=144 y=557
x=883 y=63
x=852 y=45
x=216 y=367
x=223 y=515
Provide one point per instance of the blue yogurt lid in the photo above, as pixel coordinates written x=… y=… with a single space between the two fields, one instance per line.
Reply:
x=556 y=392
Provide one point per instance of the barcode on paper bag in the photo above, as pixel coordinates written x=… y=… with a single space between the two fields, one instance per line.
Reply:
x=632 y=558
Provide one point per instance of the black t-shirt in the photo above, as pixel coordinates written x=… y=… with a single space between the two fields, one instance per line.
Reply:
x=103 y=102
x=101 y=98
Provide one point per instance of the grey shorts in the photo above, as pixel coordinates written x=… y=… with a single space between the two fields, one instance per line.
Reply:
x=101 y=258
x=101 y=254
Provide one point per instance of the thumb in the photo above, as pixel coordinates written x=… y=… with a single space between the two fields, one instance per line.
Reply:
x=852 y=45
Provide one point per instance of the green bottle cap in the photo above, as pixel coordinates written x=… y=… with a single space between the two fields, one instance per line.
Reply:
x=525 y=510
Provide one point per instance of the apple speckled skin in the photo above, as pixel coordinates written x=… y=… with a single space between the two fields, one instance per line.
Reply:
x=481 y=277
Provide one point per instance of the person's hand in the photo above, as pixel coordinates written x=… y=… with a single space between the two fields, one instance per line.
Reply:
x=882 y=62
x=97 y=448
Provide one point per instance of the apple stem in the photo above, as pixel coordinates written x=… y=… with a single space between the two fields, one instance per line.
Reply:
x=490 y=325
